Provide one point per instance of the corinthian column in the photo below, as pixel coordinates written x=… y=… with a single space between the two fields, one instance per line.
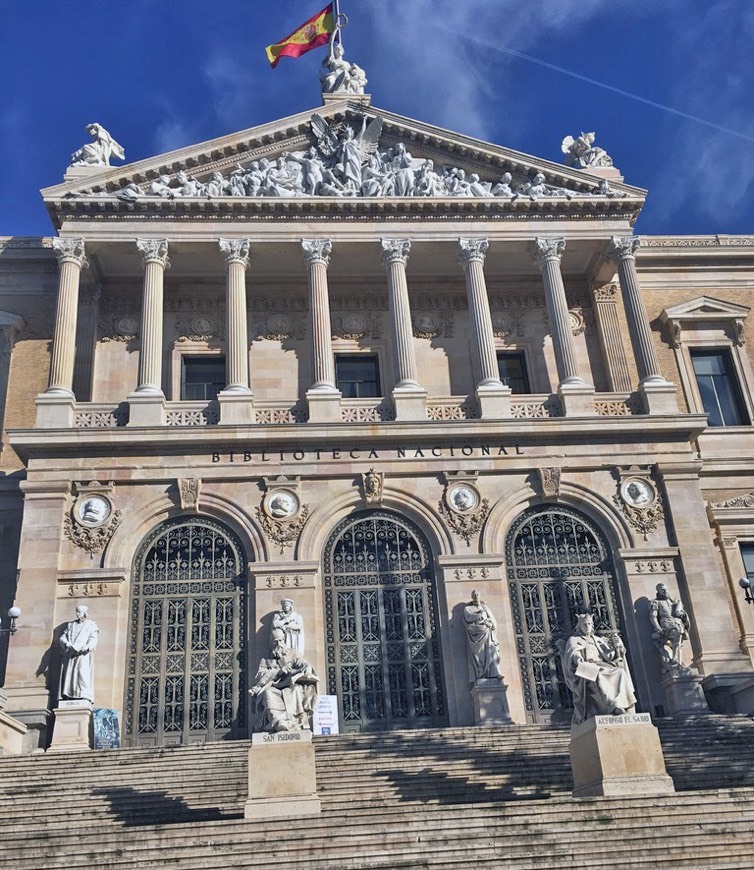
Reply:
x=575 y=394
x=237 y=256
x=492 y=395
x=71 y=259
x=657 y=394
x=323 y=396
x=154 y=253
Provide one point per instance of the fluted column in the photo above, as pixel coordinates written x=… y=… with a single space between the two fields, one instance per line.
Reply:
x=547 y=256
x=493 y=397
x=323 y=396
x=237 y=257
x=154 y=254
x=395 y=256
x=71 y=259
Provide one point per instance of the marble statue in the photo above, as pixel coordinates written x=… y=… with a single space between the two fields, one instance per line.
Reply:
x=596 y=672
x=291 y=624
x=284 y=691
x=78 y=642
x=582 y=152
x=481 y=635
x=670 y=627
x=98 y=152
x=337 y=74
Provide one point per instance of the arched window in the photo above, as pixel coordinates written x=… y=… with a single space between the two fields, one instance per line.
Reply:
x=383 y=651
x=185 y=681
x=557 y=562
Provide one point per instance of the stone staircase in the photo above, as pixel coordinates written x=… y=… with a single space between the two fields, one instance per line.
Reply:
x=452 y=798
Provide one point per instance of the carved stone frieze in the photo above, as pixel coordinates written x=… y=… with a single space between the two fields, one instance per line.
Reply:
x=355 y=325
x=188 y=492
x=121 y=327
x=466 y=525
x=605 y=292
x=359 y=302
x=429 y=325
x=280 y=327
x=654 y=566
x=284 y=532
x=199 y=327
x=472 y=573
x=739 y=501
x=507 y=324
x=92 y=539
x=284 y=581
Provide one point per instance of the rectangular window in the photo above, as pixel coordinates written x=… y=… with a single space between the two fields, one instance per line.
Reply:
x=202 y=377
x=512 y=367
x=357 y=376
x=718 y=387
x=747 y=554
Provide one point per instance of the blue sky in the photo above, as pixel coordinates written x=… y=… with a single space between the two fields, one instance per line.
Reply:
x=161 y=74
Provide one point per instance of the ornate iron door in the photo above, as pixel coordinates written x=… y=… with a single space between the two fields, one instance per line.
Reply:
x=383 y=652
x=188 y=632
x=557 y=563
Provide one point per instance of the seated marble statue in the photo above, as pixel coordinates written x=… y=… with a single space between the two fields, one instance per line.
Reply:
x=284 y=691
x=98 y=152
x=596 y=673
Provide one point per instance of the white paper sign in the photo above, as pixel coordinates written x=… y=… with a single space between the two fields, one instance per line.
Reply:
x=326 y=715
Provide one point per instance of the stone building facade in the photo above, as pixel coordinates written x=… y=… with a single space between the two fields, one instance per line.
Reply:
x=373 y=403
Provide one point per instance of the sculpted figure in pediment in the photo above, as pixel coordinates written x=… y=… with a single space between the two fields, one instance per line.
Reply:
x=98 y=152
x=582 y=152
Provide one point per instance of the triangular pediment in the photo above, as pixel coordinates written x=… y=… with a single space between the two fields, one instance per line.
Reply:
x=706 y=308
x=341 y=156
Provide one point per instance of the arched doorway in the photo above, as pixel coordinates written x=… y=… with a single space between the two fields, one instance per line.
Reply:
x=383 y=648
x=557 y=562
x=187 y=636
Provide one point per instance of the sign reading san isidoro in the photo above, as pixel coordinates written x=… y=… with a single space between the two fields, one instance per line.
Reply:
x=356 y=453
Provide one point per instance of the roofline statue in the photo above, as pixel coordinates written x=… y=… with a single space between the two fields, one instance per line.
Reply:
x=98 y=152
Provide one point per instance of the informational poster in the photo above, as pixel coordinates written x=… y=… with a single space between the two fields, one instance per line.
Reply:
x=106 y=730
x=326 y=715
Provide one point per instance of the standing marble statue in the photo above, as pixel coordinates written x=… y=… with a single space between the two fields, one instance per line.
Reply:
x=284 y=691
x=291 y=624
x=78 y=642
x=670 y=624
x=98 y=152
x=481 y=635
x=596 y=672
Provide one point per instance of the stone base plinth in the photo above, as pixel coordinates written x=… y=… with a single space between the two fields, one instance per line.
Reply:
x=146 y=409
x=494 y=402
x=236 y=408
x=491 y=703
x=12 y=734
x=282 y=777
x=410 y=405
x=613 y=756
x=54 y=411
x=577 y=400
x=658 y=398
x=324 y=406
x=72 y=730
x=684 y=695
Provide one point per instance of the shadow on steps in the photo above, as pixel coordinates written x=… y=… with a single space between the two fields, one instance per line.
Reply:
x=132 y=807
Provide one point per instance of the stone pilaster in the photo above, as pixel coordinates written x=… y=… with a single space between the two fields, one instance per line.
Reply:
x=408 y=396
x=148 y=402
x=236 y=399
x=605 y=310
x=492 y=395
x=86 y=340
x=575 y=394
x=657 y=394
x=323 y=396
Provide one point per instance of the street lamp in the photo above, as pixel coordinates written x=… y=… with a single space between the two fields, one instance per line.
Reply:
x=13 y=613
x=746 y=585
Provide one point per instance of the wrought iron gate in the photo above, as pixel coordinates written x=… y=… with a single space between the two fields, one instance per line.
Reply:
x=557 y=563
x=383 y=651
x=187 y=638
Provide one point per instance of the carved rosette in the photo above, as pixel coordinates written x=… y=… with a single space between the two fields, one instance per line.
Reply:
x=154 y=251
x=623 y=248
x=395 y=251
x=236 y=251
x=316 y=251
x=472 y=250
x=548 y=249
x=70 y=251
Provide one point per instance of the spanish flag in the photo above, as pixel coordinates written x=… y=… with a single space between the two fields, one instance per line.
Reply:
x=312 y=33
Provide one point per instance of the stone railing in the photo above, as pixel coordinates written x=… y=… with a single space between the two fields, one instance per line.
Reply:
x=534 y=407
x=268 y=413
x=366 y=411
x=100 y=416
x=192 y=414
x=452 y=408
x=617 y=404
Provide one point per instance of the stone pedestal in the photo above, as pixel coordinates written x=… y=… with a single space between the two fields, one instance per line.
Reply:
x=324 y=406
x=491 y=703
x=410 y=404
x=612 y=756
x=12 y=733
x=282 y=777
x=146 y=409
x=54 y=411
x=684 y=694
x=72 y=730
x=577 y=400
x=493 y=401
x=236 y=408
x=658 y=398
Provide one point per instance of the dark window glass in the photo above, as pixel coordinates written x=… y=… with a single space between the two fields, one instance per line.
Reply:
x=747 y=553
x=357 y=376
x=718 y=387
x=512 y=367
x=202 y=377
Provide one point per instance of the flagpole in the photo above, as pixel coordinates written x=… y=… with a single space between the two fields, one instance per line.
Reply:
x=337 y=22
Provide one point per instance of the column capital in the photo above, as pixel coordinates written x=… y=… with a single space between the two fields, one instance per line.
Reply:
x=317 y=251
x=395 y=250
x=472 y=250
x=623 y=248
x=70 y=251
x=548 y=249
x=604 y=292
x=154 y=251
x=236 y=251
